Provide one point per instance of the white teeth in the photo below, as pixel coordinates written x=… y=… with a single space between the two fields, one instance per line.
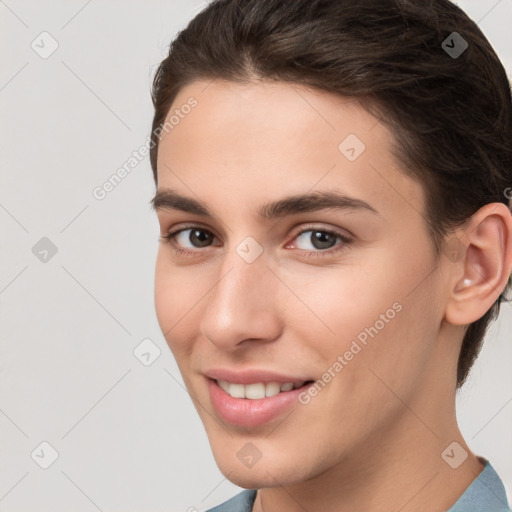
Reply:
x=257 y=390
x=273 y=388
x=237 y=390
x=224 y=385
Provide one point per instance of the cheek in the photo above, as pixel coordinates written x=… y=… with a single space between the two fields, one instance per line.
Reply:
x=370 y=317
x=175 y=294
x=164 y=298
x=347 y=300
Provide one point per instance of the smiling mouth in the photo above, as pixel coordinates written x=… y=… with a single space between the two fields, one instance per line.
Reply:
x=259 y=390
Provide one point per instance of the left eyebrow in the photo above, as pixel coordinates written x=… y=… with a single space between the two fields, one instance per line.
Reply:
x=168 y=199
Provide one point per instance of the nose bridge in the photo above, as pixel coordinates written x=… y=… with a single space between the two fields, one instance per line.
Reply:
x=241 y=304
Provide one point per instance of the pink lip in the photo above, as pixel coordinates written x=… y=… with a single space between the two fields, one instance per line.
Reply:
x=245 y=412
x=251 y=376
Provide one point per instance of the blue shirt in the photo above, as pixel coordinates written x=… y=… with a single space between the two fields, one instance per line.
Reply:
x=485 y=494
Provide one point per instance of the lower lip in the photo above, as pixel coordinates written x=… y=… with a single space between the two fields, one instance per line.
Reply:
x=245 y=412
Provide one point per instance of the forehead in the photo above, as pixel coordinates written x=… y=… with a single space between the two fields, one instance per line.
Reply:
x=266 y=138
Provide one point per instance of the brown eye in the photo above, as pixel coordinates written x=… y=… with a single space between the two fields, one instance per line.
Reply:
x=319 y=239
x=197 y=237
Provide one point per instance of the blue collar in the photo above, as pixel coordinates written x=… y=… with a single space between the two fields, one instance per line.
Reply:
x=486 y=492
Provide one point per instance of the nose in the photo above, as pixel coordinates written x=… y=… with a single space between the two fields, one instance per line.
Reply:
x=243 y=304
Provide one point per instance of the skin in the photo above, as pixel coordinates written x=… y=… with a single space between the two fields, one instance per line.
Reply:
x=372 y=439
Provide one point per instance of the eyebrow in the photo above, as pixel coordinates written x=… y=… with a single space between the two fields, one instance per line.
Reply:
x=168 y=199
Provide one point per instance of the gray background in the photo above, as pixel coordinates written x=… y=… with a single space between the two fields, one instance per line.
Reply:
x=127 y=435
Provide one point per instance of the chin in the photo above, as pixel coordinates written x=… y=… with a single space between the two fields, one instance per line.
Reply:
x=247 y=479
x=264 y=473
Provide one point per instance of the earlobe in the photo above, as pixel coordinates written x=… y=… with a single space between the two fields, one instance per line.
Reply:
x=485 y=264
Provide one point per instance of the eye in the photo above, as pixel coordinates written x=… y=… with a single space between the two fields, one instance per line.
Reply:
x=195 y=235
x=322 y=241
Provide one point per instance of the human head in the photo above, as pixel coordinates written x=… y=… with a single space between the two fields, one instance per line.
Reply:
x=239 y=146
x=451 y=117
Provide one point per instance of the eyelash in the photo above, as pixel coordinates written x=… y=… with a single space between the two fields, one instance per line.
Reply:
x=169 y=239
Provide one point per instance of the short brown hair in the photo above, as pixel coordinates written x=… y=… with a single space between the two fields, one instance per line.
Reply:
x=450 y=115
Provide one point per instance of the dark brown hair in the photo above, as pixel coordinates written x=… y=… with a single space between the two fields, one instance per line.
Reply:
x=450 y=115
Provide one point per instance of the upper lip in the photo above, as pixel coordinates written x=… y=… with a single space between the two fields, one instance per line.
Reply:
x=252 y=375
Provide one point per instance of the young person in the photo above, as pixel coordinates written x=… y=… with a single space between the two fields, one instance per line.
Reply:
x=333 y=183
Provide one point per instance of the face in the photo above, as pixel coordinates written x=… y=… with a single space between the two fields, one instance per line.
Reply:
x=341 y=296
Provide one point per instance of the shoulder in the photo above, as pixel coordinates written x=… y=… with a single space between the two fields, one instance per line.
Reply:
x=242 y=502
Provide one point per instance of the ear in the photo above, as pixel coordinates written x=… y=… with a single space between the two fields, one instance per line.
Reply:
x=483 y=264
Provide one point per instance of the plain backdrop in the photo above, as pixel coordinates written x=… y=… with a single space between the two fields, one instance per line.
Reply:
x=76 y=273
